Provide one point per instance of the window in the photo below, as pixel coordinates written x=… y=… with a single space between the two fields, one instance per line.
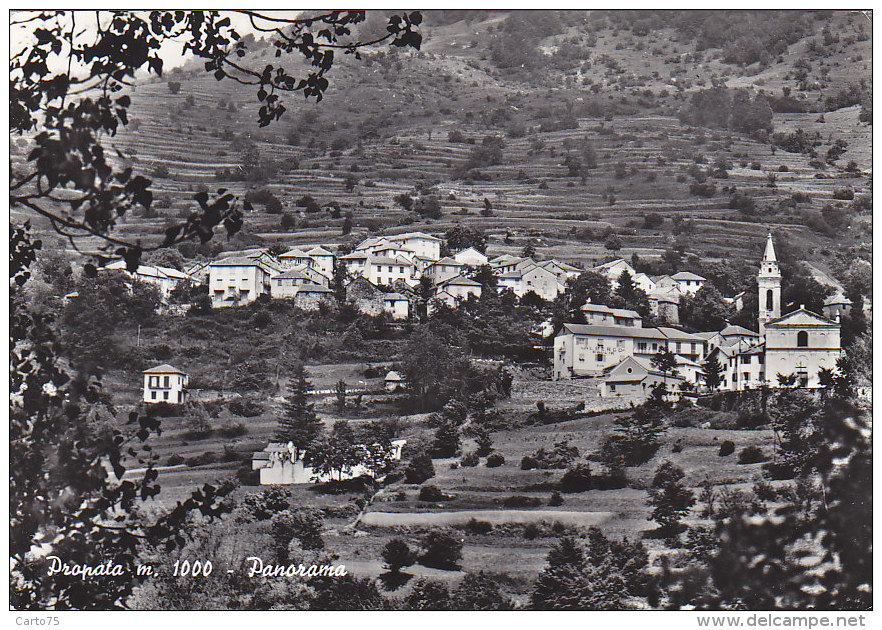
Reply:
x=746 y=360
x=678 y=347
x=770 y=299
x=641 y=346
x=746 y=376
x=599 y=357
x=154 y=381
x=180 y=396
x=165 y=395
x=760 y=359
x=802 y=339
x=612 y=387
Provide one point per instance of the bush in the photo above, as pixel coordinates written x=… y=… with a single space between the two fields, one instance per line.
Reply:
x=726 y=448
x=556 y=499
x=529 y=463
x=419 y=469
x=431 y=494
x=494 y=460
x=233 y=430
x=441 y=550
x=469 y=460
x=207 y=457
x=174 y=460
x=263 y=505
x=576 y=479
x=479 y=527
x=845 y=194
x=751 y=455
x=531 y=531
x=521 y=501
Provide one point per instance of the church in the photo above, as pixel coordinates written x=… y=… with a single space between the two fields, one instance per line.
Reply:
x=797 y=344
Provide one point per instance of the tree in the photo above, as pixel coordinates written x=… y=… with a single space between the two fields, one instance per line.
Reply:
x=665 y=362
x=479 y=591
x=460 y=237
x=529 y=250
x=338 y=282
x=397 y=555
x=705 y=309
x=613 y=243
x=446 y=442
x=712 y=371
x=420 y=469
x=442 y=549
x=337 y=453
x=299 y=423
x=669 y=500
x=174 y=86
x=65 y=84
x=340 y=393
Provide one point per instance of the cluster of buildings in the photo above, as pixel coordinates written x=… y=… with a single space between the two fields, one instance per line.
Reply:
x=615 y=346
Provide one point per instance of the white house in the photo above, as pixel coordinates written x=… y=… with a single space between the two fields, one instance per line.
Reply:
x=562 y=270
x=470 y=256
x=295 y=257
x=636 y=378
x=323 y=260
x=393 y=381
x=238 y=280
x=613 y=269
x=356 y=263
x=688 y=282
x=461 y=287
x=585 y=350
x=279 y=464
x=165 y=383
x=533 y=278
x=164 y=278
x=443 y=269
x=383 y=270
x=285 y=285
x=397 y=305
x=606 y=316
x=422 y=244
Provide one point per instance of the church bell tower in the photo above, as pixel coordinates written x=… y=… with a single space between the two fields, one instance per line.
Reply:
x=769 y=281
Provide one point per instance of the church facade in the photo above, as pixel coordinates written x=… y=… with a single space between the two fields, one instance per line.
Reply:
x=798 y=344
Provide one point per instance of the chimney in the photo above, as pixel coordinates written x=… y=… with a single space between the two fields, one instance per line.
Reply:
x=802 y=307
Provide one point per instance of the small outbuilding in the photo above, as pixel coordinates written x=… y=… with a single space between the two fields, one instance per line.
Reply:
x=394 y=381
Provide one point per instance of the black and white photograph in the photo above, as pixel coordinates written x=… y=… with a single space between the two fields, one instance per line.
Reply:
x=441 y=310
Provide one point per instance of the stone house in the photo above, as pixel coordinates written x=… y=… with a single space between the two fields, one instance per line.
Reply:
x=165 y=383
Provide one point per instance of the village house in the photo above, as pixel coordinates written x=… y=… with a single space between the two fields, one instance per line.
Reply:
x=165 y=383
x=355 y=262
x=365 y=296
x=396 y=305
x=323 y=261
x=643 y=282
x=443 y=269
x=295 y=257
x=310 y=297
x=382 y=270
x=238 y=280
x=461 y=287
x=688 y=282
x=562 y=270
x=606 y=316
x=422 y=244
x=164 y=278
x=613 y=270
x=588 y=350
x=471 y=257
x=636 y=378
x=533 y=278
x=281 y=464
x=837 y=305
x=684 y=344
x=393 y=381
x=285 y=285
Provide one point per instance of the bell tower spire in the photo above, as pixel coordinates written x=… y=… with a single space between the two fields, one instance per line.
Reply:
x=769 y=284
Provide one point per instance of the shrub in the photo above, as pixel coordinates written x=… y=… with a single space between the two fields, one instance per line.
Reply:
x=764 y=491
x=245 y=407
x=469 y=460
x=479 y=527
x=751 y=455
x=531 y=531
x=174 y=460
x=233 y=430
x=207 y=457
x=726 y=448
x=521 y=501
x=529 y=463
x=845 y=194
x=263 y=505
x=441 y=550
x=576 y=479
x=494 y=460
x=419 y=469
x=431 y=494
x=556 y=499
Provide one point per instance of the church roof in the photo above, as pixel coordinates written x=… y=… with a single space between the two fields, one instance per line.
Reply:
x=801 y=317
